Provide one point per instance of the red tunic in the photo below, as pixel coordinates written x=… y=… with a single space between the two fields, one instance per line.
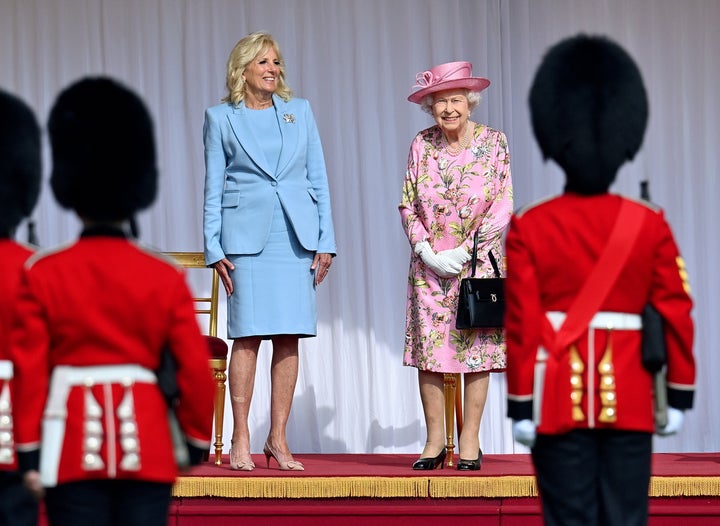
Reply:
x=551 y=249
x=106 y=301
x=12 y=258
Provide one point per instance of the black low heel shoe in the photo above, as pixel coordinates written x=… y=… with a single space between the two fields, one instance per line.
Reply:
x=431 y=462
x=470 y=465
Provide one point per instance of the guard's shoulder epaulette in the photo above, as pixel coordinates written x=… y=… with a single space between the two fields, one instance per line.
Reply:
x=26 y=245
x=46 y=252
x=535 y=204
x=154 y=253
x=652 y=206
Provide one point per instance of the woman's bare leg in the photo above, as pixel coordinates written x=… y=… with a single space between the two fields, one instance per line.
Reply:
x=283 y=375
x=476 y=388
x=432 y=394
x=241 y=380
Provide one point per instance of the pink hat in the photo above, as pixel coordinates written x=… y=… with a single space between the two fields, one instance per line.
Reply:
x=451 y=75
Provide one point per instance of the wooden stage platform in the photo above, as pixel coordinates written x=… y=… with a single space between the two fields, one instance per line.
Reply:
x=380 y=490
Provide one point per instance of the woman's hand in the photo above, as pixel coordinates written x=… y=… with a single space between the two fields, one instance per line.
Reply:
x=440 y=264
x=457 y=255
x=321 y=264
x=223 y=268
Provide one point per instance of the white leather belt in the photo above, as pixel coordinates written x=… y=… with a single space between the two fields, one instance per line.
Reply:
x=64 y=377
x=620 y=321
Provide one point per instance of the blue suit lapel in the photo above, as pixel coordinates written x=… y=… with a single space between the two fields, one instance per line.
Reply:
x=289 y=129
x=245 y=135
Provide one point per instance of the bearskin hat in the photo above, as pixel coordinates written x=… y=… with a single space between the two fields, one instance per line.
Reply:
x=20 y=164
x=589 y=110
x=103 y=150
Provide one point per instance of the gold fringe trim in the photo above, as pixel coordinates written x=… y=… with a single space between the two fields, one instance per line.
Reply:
x=685 y=486
x=512 y=486
x=407 y=487
x=300 y=487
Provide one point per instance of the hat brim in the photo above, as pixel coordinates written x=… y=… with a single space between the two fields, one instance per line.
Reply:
x=472 y=83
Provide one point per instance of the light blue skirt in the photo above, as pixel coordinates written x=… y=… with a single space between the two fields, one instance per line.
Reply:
x=273 y=291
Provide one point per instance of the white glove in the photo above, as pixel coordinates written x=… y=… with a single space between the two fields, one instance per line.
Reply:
x=674 y=422
x=443 y=266
x=524 y=432
x=457 y=255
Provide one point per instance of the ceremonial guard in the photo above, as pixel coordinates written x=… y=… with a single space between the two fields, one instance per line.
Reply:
x=92 y=322
x=19 y=190
x=582 y=268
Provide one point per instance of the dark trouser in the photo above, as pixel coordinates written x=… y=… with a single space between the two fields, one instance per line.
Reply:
x=17 y=506
x=594 y=477
x=108 y=503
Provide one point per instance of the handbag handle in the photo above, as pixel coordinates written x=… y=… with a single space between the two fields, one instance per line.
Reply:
x=494 y=264
x=474 y=253
x=493 y=261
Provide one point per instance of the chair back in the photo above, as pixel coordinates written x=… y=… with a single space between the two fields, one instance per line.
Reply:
x=206 y=304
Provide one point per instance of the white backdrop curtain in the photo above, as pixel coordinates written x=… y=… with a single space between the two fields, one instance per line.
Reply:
x=356 y=60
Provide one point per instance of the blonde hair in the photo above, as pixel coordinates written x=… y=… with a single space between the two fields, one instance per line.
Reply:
x=244 y=52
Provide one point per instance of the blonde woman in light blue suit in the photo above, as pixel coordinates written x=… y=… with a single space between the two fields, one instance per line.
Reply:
x=268 y=231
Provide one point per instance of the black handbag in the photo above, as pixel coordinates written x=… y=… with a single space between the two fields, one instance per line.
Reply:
x=481 y=301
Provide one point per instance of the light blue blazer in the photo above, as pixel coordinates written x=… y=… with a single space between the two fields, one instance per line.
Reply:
x=241 y=185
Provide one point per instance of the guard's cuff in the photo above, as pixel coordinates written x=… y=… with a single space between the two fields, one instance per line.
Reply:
x=28 y=460
x=680 y=398
x=520 y=410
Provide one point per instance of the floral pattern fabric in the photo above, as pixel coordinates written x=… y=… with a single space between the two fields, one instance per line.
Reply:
x=445 y=198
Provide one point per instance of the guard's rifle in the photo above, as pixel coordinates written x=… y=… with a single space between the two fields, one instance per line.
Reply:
x=654 y=353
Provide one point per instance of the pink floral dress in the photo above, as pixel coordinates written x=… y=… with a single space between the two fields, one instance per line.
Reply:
x=445 y=199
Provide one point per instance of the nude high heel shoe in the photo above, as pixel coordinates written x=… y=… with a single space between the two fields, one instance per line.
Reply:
x=238 y=463
x=289 y=465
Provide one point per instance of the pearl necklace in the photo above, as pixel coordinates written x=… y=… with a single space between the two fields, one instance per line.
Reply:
x=464 y=142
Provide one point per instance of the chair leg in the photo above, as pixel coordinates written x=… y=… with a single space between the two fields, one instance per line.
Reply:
x=451 y=382
x=218 y=368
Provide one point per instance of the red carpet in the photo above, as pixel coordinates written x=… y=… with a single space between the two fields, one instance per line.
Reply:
x=381 y=490
x=388 y=476
x=346 y=475
x=352 y=465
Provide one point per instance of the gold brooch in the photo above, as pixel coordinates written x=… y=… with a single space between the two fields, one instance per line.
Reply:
x=289 y=118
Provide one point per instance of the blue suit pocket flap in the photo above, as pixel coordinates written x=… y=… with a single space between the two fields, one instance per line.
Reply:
x=230 y=199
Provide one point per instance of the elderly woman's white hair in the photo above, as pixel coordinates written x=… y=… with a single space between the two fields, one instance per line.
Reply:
x=473 y=97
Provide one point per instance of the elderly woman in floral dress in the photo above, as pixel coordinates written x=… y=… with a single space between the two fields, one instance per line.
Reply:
x=457 y=181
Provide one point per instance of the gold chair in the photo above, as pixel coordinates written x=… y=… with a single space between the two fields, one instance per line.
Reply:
x=208 y=306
